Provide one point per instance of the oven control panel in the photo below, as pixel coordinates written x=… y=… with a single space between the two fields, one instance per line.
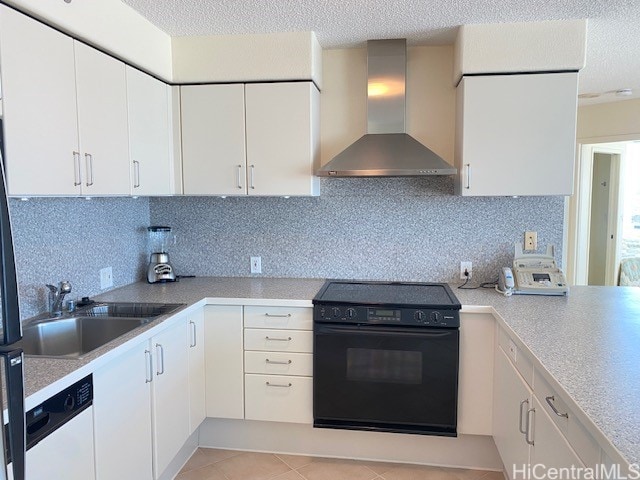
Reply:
x=409 y=317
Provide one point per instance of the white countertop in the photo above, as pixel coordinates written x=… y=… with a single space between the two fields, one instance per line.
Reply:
x=588 y=341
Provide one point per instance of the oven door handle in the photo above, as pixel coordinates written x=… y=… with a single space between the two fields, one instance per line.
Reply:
x=324 y=329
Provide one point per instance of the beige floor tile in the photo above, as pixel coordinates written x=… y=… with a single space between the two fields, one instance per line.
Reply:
x=290 y=475
x=207 y=456
x=493 y=476
x=334 y=469
x=295 y=461
x=466 y=473
x=209 y=472
x=381 y=467
x=416 y=472
x=252 y=466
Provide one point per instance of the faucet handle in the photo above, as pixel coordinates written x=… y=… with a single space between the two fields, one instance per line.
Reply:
x=52 y=289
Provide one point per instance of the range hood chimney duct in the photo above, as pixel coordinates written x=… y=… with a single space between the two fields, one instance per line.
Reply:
x=386 y=150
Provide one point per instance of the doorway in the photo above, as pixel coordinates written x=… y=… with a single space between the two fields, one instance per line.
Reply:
x=602 y=211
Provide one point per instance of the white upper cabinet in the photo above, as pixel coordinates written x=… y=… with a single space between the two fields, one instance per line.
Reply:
x=254 y=139
x=150 y=135
x=40 y=116
x=516 y=134
x=65 y=113
x=213 y=140
x=282 y=138
x=102 y=122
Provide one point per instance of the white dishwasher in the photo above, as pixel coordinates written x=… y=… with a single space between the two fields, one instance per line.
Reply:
x=60 y=435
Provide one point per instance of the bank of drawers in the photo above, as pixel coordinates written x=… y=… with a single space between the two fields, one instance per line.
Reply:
x=278 y=364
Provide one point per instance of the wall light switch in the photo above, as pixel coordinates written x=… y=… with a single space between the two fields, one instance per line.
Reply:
x=256 y=264
x=106 y=277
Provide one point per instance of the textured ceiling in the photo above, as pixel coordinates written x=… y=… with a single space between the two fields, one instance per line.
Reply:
x=613 y=40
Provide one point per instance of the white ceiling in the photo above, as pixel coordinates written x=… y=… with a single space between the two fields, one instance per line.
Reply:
x=613 y=39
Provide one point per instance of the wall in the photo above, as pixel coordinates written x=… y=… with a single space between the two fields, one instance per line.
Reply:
x=609 y=121
x=382 y=229
x=72 y=239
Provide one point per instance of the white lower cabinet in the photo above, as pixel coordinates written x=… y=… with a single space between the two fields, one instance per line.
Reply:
x=170 y=394
x=122 y=416
x=223 y=360
x=197 y=373
x=142 y=407
x=66 y=453
x=278 y=398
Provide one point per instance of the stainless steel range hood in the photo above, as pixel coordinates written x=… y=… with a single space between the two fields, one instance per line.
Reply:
x=386 y=150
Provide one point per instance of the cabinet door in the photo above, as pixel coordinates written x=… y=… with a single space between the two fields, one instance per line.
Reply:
x=550 y=447
x=511 y=400
x=213 y=140
x=170 y=394
x=66 y=453
x=195 y=333
x=282 y=138
x=517 y=134
x=102 y=122
x=224 y=361
x=122 y=416
x=149 y=134
x=39 y=107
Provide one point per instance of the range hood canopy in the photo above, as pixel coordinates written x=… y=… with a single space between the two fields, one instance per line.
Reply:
x=386 y=150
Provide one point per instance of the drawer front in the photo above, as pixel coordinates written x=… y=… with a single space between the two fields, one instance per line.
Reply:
x=295 y=318
x=278 y=340
x=518 y=357
x=278 y=363
x=580 y=439
x=278 y=398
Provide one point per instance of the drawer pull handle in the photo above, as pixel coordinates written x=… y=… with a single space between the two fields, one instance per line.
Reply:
x=531 y=412
x=520 y=427
x=285 y=315
x=550 y=401
x=278 y=385
x=288 y=339
x=275 y=362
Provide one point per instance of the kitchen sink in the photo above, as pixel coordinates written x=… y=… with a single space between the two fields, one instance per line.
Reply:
x=88 y=329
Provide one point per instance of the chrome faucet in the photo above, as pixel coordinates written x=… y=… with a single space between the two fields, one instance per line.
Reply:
x=56 y=296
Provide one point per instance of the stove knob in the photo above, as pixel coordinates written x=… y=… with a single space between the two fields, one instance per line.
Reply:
x=436 y=317
x=419 y=316
x=335 y=311
x=351 y=313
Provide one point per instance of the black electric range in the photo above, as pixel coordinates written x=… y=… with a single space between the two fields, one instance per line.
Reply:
x=386 y=357
x=387 y=303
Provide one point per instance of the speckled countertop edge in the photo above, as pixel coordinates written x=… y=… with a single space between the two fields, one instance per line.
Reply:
x=588 y=341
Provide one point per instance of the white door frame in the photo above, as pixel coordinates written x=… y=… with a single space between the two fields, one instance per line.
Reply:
x=578 y=213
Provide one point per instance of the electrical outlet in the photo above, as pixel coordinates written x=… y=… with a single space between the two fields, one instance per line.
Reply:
x=106 y=277
x=530 y=240
x=256 y=264
x=465 y=266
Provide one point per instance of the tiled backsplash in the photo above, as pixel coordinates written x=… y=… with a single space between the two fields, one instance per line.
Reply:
x=410 y=229
x=72 y=239
x=380 y=228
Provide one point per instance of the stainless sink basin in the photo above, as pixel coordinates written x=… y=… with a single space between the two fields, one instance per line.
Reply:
x=130 y=310
x=90 y=328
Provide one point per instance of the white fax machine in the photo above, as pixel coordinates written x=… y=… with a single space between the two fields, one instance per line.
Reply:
x=537 y=274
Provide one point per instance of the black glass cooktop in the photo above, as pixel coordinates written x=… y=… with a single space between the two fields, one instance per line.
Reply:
x=401 y=294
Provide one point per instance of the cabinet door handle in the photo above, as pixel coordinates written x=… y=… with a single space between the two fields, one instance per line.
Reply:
x=520 y=426
x=239 y=179
x=276 y=339
x=550 y=401
x=136 y=174
x=468 y=169
x=276 y=362
x=149 y=372
x=89 y=160
x=77 y=176
x=273 y=315
x=252 y=169
x=269 y=384
x=193 y=334
x=160 y=352
x=530 y=413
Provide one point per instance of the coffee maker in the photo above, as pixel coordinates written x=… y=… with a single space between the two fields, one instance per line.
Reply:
x=159 y=269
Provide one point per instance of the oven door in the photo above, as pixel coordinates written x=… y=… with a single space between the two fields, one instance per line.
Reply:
x=395 y=379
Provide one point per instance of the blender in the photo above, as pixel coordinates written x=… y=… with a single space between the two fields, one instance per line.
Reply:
x=159 y=269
